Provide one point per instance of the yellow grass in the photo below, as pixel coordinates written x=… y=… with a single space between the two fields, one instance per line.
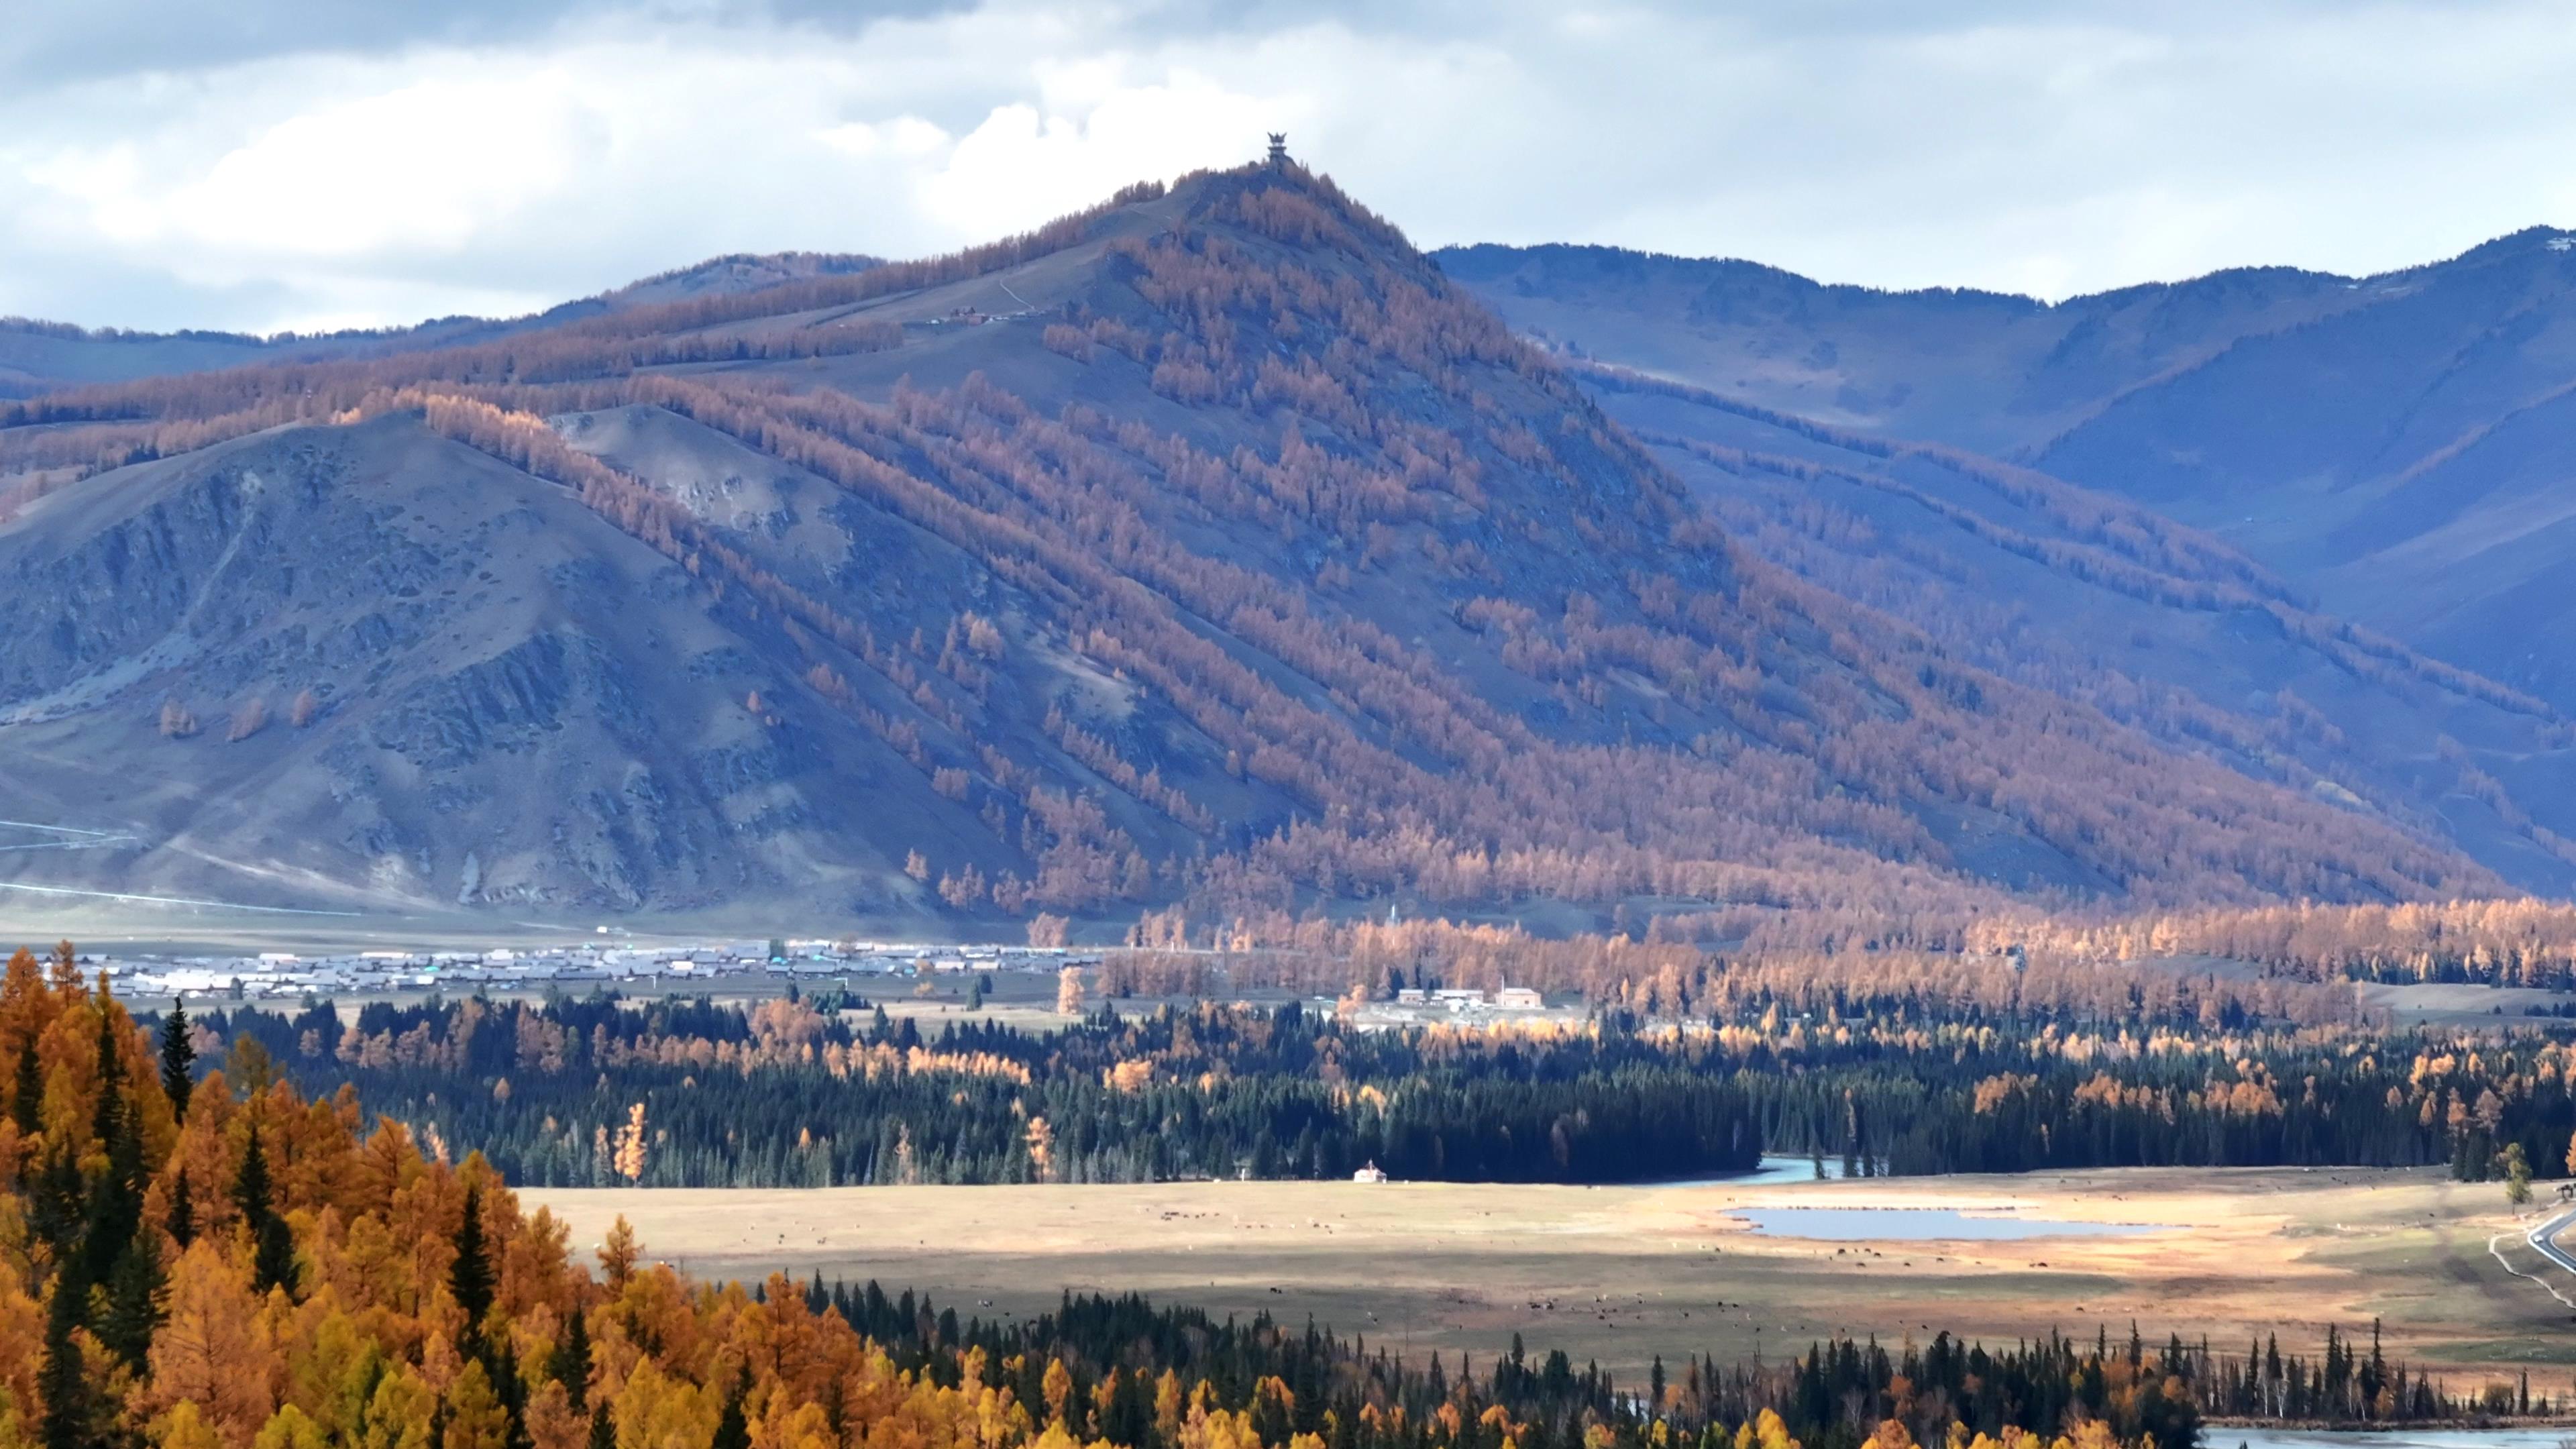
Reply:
x=1622 y=1274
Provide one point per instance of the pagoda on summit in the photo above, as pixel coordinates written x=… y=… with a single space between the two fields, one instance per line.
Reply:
x=1278 y=148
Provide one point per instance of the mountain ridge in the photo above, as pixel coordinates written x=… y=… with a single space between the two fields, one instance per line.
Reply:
x=2381 y=447
x=1208 y=552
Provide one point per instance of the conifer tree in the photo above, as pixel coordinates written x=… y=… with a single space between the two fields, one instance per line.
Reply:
x=62 y=1385
x=273 y=1243
x=178 y=1061
x=27 y=1090
x=58 y=1201
x=111 y=1066
x=733 y=1431
x=136 y=1287
x=116 y=1199
x=182 y=1222
x=475 y=1417
x=569 y=1363
x=470 y=1277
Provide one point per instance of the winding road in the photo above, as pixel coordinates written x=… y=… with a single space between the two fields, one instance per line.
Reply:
x=2544 y=1240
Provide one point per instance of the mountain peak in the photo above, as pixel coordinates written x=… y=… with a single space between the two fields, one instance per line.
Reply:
x=1205 y=551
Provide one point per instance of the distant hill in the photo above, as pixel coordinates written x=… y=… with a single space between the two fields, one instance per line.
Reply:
x=2375 y=453
x=40 y=356
x=1207 y=552
x=1982 y=370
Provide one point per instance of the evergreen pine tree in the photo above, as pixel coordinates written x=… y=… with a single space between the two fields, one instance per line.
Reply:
x=116 y=1199
x=135 y=1287
x=178 y=1061
x=27 y=1092
x=512 y=1390
x=733 y=1431
x=569 y=1363
x=62 y=1388
x=183 y=1211
x=470 y=1277
x=273 y=1243
x=111 y=1071
x=55 y=1208
x=603 y=1433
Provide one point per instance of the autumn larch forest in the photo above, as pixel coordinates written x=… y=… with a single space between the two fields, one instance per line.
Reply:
x=208 y=1257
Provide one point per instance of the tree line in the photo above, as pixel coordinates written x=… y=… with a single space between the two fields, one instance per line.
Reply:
x=594 y=1091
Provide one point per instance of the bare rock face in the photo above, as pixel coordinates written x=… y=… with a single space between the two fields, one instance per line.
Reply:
x=503 y=700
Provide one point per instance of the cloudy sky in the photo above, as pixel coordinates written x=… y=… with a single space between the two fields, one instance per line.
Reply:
x=265 y=164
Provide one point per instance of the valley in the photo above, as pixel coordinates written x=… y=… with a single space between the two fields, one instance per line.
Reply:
x=1618 y=1274
x=759 y=725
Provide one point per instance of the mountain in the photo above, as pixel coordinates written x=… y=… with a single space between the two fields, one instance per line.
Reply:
x=1208 y=552
x=2369 y=455
x=39 y=356
x=1987 y=371
x=2403 y=457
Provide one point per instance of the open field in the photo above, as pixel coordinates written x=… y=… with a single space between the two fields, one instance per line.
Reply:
x=2460 y=1004
x=1620 y=1274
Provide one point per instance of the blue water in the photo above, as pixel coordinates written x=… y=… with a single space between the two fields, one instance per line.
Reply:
x=1859 y=1224
x=2218 y=1437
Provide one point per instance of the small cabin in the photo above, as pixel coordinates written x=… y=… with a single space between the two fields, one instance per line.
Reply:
x=1370 y=1173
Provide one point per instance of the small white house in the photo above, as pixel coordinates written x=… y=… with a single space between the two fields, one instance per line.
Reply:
x=1519 y=998
x=1370 y=1173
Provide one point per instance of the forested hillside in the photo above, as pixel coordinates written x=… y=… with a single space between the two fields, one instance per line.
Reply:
x=2306 y=524
x=1207 y=549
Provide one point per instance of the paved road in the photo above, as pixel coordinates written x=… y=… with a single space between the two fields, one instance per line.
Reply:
x=2544 y=1240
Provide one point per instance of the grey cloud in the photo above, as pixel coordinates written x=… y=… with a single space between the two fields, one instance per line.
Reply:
x=53 y=44
x=2045 y=145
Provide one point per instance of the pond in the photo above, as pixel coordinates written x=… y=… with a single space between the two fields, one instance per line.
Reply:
x=1873 y=1224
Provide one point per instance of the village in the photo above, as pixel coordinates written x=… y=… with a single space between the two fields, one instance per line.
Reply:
x=742 y=969
x=757 y=967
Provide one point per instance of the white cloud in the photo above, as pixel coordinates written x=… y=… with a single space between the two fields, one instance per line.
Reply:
x=1030 y=161
x=424 y=168
x=2013 y=144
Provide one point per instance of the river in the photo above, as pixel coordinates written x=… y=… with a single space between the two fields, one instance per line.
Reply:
x=2219 y=1437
